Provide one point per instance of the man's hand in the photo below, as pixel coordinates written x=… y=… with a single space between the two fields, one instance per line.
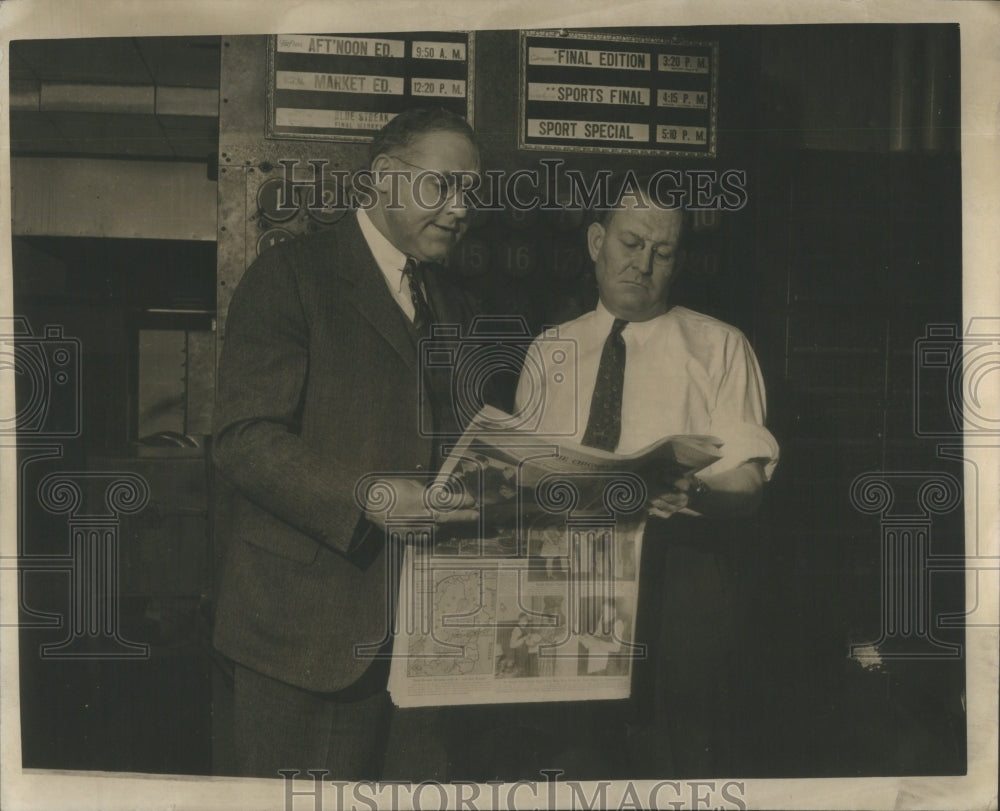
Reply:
x=673 y=496
x=731 y=494
x=416 y=498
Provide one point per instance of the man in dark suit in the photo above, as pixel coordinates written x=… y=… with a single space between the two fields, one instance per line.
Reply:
x=318 y=387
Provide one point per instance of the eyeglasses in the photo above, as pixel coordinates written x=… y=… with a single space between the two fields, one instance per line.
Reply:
x=439 y=187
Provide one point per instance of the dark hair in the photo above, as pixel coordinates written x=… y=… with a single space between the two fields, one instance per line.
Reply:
x=402 y=130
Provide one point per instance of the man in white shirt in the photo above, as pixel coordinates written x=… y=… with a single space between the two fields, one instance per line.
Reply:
x=686 y=373
x=646 y=369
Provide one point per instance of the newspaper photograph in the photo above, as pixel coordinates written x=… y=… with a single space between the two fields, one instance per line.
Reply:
x=536 y=599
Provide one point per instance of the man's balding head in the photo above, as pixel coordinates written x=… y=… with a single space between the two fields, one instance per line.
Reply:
x=398 y=135
x=418 y=159
x=635 y=245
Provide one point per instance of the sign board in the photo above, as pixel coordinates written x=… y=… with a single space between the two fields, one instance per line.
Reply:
x=340 y=87
x=616 y=94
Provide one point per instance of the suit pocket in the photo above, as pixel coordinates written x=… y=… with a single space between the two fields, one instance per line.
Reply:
x=262 y=530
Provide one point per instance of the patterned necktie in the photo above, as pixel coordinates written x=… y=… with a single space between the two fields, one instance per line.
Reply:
x=422 y=315
x=604 y=426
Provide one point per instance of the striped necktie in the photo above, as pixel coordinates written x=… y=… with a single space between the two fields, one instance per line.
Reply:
x=422 y=315
x=604 y=426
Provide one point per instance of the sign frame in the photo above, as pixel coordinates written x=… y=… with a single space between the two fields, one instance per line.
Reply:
x=271 y=130
x=596 y=37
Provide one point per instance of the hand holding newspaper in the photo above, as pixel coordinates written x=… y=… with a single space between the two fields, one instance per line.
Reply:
x=535 y=600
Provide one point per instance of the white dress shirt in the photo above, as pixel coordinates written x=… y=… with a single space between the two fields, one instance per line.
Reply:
x=390 y=261
x=685 y=373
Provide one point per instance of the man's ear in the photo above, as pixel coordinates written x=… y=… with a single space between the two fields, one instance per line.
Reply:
x=595 y=238
x=380 y=180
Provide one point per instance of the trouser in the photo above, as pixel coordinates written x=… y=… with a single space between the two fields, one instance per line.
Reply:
x=523 y=741
x=678 y=721
x=280 y=726
x=680 y=718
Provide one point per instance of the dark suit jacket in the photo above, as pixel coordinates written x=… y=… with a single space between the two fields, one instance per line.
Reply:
x=317 y=388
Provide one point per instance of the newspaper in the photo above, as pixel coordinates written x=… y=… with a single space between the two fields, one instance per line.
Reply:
x=536 y=599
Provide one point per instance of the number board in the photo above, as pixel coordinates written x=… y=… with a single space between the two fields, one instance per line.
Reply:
x=339 y=87
x=586 y=92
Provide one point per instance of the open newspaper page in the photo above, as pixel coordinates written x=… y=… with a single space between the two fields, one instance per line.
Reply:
x=536 y=599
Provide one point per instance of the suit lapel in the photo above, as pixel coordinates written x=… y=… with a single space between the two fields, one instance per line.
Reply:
x=447 y=306
x=369 y=294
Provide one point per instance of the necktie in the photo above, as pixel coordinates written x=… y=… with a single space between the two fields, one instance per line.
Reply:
x=604 y=426
x=422 y=315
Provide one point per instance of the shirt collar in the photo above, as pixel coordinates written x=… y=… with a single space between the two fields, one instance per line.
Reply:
x=638 y=330
x=387 y=256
